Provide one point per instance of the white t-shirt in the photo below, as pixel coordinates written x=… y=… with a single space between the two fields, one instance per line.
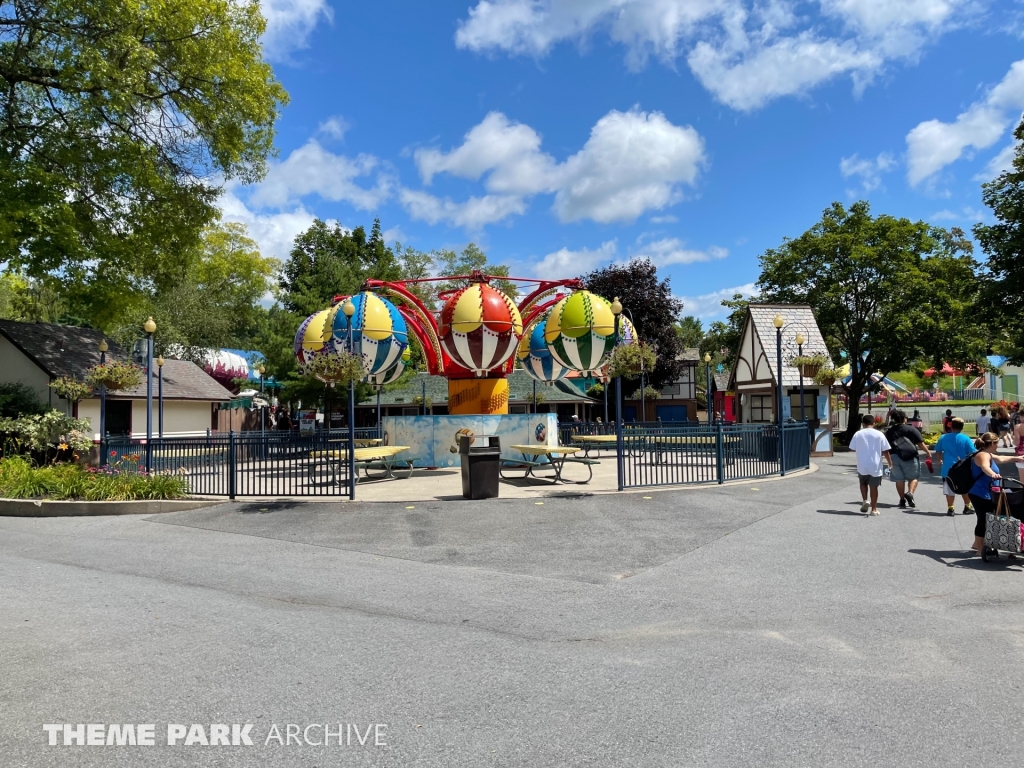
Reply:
x=982 y=424
x=869 y=444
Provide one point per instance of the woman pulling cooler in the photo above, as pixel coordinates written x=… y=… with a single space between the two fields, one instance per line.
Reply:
x=985 y=471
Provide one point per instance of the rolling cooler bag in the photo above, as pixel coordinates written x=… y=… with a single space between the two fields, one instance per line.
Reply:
x=1002 y=529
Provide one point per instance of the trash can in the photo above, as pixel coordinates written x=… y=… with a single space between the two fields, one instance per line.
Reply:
x=480 y=465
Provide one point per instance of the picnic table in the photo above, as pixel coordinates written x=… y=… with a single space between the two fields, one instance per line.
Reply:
x=379 y=458
x=595 y=442
x=556 y=456
x=665 y=443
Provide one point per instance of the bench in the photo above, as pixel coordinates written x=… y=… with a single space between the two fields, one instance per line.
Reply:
x=588 y=463
x=526 y=466
x=387 y=468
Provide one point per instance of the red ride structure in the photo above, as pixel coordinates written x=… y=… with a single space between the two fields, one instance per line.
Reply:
x=473 y=342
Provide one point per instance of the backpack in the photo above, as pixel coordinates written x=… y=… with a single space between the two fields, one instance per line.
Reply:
x=961 y=474
x=905 y=449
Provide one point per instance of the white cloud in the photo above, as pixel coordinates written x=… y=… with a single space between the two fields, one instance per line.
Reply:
x=708 y=306
x=311 y=169
x=746 y=52
x=565 y=263
x=290 y=23
x=334 y=127
x=870 y=171
x=472 y=214
x=933 y=144
x=667 y=219
x=275 y=232
x=632 y=162
x=1001 y=162
x=672 y=251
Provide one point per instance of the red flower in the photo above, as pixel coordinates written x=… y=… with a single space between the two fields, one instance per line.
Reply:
x=113 y=453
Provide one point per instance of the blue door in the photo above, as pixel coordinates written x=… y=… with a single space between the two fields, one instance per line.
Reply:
x=671 y=412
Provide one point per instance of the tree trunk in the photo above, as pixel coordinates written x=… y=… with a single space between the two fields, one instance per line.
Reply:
x=854 y=391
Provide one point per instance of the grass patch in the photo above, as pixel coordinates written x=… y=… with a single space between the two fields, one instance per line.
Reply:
x=61 y=482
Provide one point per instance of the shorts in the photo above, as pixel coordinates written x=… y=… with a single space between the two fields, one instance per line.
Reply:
x=905 y=470
x=946 y=489
x=872 y=481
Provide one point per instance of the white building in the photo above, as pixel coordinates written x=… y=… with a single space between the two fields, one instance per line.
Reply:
x=37 y=353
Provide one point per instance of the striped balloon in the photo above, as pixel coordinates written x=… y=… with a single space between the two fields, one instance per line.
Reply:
x=312 y=338
x=536 y=359
x=379 y=380
x=480 y=328
x=379 y=332
x=580 y=332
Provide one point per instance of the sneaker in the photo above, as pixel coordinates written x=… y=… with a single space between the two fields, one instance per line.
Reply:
x=864 y=508
x=951 y=512
x=968 y=510
x=910 y=499
x=874 y=511
x=903 y=503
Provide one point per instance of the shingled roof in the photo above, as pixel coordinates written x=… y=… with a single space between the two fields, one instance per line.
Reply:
x=65 y=350
x=798 y=318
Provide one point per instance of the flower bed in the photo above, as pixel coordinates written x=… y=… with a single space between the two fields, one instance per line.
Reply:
x=19 y=479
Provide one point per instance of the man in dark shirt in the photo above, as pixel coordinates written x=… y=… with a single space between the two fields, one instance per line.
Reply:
x=906 y=463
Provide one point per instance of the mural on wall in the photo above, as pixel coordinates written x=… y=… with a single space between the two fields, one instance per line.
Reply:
x=434 y=440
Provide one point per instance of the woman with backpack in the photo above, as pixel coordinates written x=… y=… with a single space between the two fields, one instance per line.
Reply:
x=985 y=471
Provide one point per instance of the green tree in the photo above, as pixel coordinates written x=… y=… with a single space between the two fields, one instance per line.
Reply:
x=215 y=299
x=327 y=260
x=723 y=337
x=1003 y=243
x=885 y=291
x=691 y=332
x=448 y=262
x=118 y=119
x=655 y=312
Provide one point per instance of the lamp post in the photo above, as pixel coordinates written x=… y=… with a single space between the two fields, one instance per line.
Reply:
x=617 y=311
x=778 y=322
x=350 y=309
x=535 y=397
x=150 y=328
x=261 y=369
x=102 y=347
x=800 y=353
x=643 y=401
x=160 y=394
x=708 y=398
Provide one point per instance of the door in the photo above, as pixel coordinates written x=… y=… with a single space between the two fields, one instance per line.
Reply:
x=670 y=412
x=1010 y=387
x=119 y=417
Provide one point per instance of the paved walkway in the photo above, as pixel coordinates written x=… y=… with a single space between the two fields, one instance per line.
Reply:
x=765 y=624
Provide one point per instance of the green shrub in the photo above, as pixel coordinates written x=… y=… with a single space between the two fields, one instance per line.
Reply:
x=17 y=400
x=20 y=480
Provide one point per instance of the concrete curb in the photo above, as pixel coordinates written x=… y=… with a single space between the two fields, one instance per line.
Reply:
x=44 y=508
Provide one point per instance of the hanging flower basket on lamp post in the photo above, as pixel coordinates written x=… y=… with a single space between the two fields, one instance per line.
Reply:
x=115 y=375
x=810 y=365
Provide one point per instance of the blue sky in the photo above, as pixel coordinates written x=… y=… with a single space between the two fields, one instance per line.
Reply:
x=562 y=135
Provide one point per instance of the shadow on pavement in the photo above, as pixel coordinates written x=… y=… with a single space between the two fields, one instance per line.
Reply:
x=963 y=559
x=841 y=512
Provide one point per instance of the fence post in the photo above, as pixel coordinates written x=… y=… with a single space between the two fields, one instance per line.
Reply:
x=720 y=452
x=231 y=465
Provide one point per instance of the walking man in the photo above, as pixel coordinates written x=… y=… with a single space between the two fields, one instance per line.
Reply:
x=983 y=422
x=905 y=461
x=872 y=449
x=948 y=451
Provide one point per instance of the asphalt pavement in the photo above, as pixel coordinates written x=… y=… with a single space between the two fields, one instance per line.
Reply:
x=764 y=624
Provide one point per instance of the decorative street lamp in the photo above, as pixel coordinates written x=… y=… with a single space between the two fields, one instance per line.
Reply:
x=708 y=398
x=800 y=353
x=617 y=311
x=150 y=328
x=778 y=322
x=160 y=393
x=260 y=369
x=102 y=347
x=350 y=309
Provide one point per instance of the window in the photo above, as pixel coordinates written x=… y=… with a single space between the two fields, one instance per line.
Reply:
x=762 y=409
x=810 y=405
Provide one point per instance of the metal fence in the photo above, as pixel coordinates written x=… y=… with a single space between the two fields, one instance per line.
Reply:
x=711 y=453
x=243 y=463
x=566 y=429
